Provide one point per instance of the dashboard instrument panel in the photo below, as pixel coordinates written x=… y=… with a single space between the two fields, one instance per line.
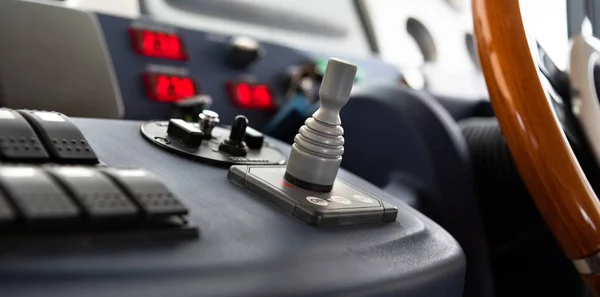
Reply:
x=116 y=67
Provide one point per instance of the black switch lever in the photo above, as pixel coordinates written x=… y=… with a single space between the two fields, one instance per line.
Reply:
x=238 y=130
x=235 y=144
x=185 y=133
x=254 y=139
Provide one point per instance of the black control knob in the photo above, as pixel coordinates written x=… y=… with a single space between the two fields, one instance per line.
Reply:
x=235 y=144
x=243 y=51
x=207 y=120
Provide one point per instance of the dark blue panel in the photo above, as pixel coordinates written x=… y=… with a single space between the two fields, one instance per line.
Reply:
x=207 y=64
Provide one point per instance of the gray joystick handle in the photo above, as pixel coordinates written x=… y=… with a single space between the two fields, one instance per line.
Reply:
x=317 y=151
x=335 y=91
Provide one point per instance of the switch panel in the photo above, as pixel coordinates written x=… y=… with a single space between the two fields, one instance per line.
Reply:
x=97 y=194
x=18 y=141
x=148 y=192
x=247 y=146
x=36 y=195
x=58 y=202
x=62 y=139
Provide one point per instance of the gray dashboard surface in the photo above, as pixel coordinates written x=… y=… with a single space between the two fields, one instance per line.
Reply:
x=247 y=246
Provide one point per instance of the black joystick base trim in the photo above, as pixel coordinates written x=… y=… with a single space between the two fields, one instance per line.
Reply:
x=306 y=185
x=238 y=149
x=343 y=205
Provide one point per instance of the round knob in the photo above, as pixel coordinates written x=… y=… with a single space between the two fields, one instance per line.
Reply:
x=207 y=120
x=238 y=129
x=244 y=51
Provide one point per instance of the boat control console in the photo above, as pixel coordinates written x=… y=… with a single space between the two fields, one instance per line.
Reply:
x=92 y=207
x=141 y=159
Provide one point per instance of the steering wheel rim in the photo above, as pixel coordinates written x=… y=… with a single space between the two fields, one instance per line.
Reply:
x=534 y=135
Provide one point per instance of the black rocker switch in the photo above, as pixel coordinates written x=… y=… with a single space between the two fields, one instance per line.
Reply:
x=61 y=137
x=185 y=133
x=254 y=139
x=99 y=197
x=18 y=141
x=36 y=196
x=235 y=144
x=149 y=193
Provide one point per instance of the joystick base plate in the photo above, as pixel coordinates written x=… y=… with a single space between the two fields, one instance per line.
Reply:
x=344 y=205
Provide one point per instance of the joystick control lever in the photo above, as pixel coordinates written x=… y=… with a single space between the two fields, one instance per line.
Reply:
x=308 y=187
x=317 y=151
x=235 y=144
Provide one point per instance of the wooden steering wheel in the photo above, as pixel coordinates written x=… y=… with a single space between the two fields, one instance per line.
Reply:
x=535 y=137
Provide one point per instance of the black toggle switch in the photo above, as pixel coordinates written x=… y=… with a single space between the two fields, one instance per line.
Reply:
x=185 y=133
x=61 y=137
x=235 y=144
x=238 y=130
x=254 y=139
x=18 y=141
